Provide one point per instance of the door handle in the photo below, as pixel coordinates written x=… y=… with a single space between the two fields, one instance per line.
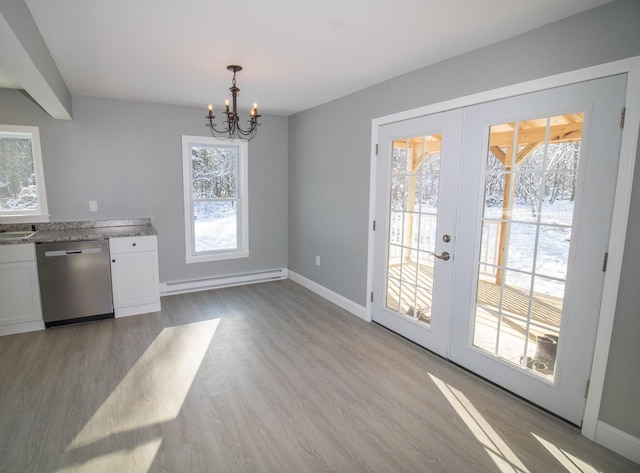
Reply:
x=445 y=256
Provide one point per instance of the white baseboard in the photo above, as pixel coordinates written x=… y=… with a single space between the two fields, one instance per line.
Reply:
x=137 y=310
x=620 y=442
x=182 y=287
x=21 y=327
x=331 y=296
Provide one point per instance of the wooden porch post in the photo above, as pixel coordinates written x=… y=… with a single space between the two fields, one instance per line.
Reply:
x=412 y=160
x=507 y=205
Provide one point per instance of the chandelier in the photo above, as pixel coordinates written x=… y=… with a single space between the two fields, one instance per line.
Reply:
x=232 y=128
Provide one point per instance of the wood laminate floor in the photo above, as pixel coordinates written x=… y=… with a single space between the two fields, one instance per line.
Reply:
x=268 y=377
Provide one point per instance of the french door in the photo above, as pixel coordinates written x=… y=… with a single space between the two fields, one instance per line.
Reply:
x=493 y=227
x=416 y=211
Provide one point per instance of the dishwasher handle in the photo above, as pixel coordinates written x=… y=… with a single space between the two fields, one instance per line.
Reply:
x=72 y=252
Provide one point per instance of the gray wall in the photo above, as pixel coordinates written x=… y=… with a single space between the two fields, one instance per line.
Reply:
x=329 y=154
x=128 y=157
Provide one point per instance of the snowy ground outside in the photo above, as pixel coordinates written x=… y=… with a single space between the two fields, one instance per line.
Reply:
x=216 y=234
x=553 y=247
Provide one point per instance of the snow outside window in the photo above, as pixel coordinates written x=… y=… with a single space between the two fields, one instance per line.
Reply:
x=215 y=198
x=22 y=192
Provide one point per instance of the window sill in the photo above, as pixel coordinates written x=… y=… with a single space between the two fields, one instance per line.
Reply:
x=24 y=218
x=217 y=257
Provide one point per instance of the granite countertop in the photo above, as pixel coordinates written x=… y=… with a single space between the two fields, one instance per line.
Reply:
x=75 y=234
x=80 y=230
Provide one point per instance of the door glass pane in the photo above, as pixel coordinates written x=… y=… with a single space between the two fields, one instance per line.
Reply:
x=415 y=183
x=530 y=186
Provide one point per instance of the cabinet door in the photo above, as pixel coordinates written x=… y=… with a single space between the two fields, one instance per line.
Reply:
x=135 y=279
x=19 y=293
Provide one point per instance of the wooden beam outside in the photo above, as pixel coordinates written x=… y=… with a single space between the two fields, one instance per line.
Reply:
x=498 y=153
x=526 y=152
x=557 y=134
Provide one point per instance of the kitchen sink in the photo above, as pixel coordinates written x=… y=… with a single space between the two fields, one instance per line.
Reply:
x=16 y=235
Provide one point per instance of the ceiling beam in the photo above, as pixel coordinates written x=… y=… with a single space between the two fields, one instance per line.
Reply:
x=26 y=60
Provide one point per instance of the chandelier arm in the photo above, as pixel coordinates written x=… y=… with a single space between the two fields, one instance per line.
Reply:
x=213 y=128
x=233 y=127
x=253 y=126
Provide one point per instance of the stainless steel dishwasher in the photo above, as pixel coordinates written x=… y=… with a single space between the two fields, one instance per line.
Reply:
x=75 y=281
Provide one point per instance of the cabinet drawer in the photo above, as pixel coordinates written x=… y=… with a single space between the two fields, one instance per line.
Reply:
x=18 y=252
x=133 y=244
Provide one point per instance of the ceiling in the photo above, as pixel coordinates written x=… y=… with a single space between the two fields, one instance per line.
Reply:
x=296 y=54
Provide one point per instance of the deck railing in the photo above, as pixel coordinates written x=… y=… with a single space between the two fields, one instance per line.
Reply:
x=490 y=247
x=424 y=238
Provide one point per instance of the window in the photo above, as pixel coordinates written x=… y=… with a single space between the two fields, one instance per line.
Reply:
x=215 y=198
x=22 y=193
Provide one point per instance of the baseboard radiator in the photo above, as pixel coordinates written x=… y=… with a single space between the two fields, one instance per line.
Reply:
x=194 y=285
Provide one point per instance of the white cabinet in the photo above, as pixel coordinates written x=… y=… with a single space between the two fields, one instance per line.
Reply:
x=134 y=275
x=20 y=309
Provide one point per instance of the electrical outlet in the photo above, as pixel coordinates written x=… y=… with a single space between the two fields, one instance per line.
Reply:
x=317 y=260
x=93 y=206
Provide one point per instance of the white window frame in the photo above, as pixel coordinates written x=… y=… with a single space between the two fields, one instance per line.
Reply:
x=41 y=214
x=242 y=236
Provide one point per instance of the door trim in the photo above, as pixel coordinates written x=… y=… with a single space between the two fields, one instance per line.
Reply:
x=622 y=201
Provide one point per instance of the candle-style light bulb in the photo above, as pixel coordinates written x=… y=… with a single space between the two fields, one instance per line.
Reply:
x=210 y=110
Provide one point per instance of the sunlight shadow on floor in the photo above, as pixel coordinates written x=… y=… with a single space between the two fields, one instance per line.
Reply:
x=152 y=393
x=504 y=458
x=571 y=463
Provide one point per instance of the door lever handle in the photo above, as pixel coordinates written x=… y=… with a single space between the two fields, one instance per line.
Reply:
x=445 y=256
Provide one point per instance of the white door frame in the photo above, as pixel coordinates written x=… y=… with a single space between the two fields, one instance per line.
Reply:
x=622 y=202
